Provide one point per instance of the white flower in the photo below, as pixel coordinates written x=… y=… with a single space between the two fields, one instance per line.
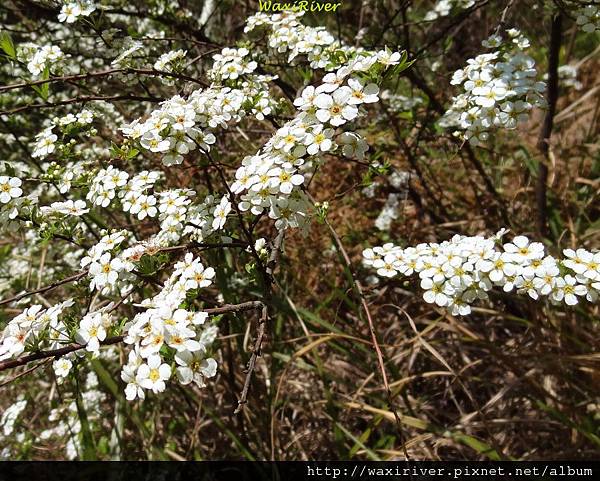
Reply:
x=105 y=270
x=45 y=144
x=285 y=178
x=133 y=388
x=69 y=207
x=387 y=57
x=335 y=108
x=194 y=368
x=13 y=343
x=386 y=266
x=568 y=289
x=154 y=143
x=307 y=99
x=62 y=367
x=69 y=12
x=362 y=94
x=10 y=188
x=181 y=338
x=583 y=262
x=521 y=250
x=436 y=292
x=153 y=374
x=198 y=277
x=319 y=140
x=145 y=206
x=91 y=332
x=220 y=213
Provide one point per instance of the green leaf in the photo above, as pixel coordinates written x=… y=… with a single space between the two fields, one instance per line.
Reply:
x=478 y=445
x=43 y=90
x=7 y=45
x=358 y=442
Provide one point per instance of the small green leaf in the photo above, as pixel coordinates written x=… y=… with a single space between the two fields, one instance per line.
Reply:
x=43 y=90
x=7 y=45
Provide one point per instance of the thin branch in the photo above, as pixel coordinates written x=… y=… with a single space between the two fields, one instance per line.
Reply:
x=264 y=318
x=56 y=284
x=544 y=138
x=56 y=353
x=102 y=73
x=202 y=245
x=24 y=373
x=83 y=99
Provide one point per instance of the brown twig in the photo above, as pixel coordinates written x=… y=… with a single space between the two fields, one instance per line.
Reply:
x=264 y=318
x=56 y=353
x=24 y=373
x=202 y=245
x=82 y=99
x=41 y=290
x=544 y=138
x=415 y=78
x=102 y=73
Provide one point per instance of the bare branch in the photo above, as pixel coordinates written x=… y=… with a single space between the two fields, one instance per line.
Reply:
x=103 y=73
x=544 y=138
x=264 y=318
x=54 y=285
x=82 y=99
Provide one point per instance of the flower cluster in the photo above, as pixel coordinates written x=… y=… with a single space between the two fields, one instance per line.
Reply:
x=10 y=416
x=40 y=58
x=456 y=273
x=32 y=325
x=170 y=62
x=181 y=126
x=443 y=8
x=104 y=185
x=69 y=208
x=588 y=18
x=231 y=63
x=103 y=267
x=71 y=11
x=500 y=89
x=289 y=35
x=169 y=335
x=165 y=329
x=271 y=180
x=92 y=330
x=46 y=140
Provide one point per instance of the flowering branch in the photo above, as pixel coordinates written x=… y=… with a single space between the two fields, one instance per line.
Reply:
x=57 y=353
